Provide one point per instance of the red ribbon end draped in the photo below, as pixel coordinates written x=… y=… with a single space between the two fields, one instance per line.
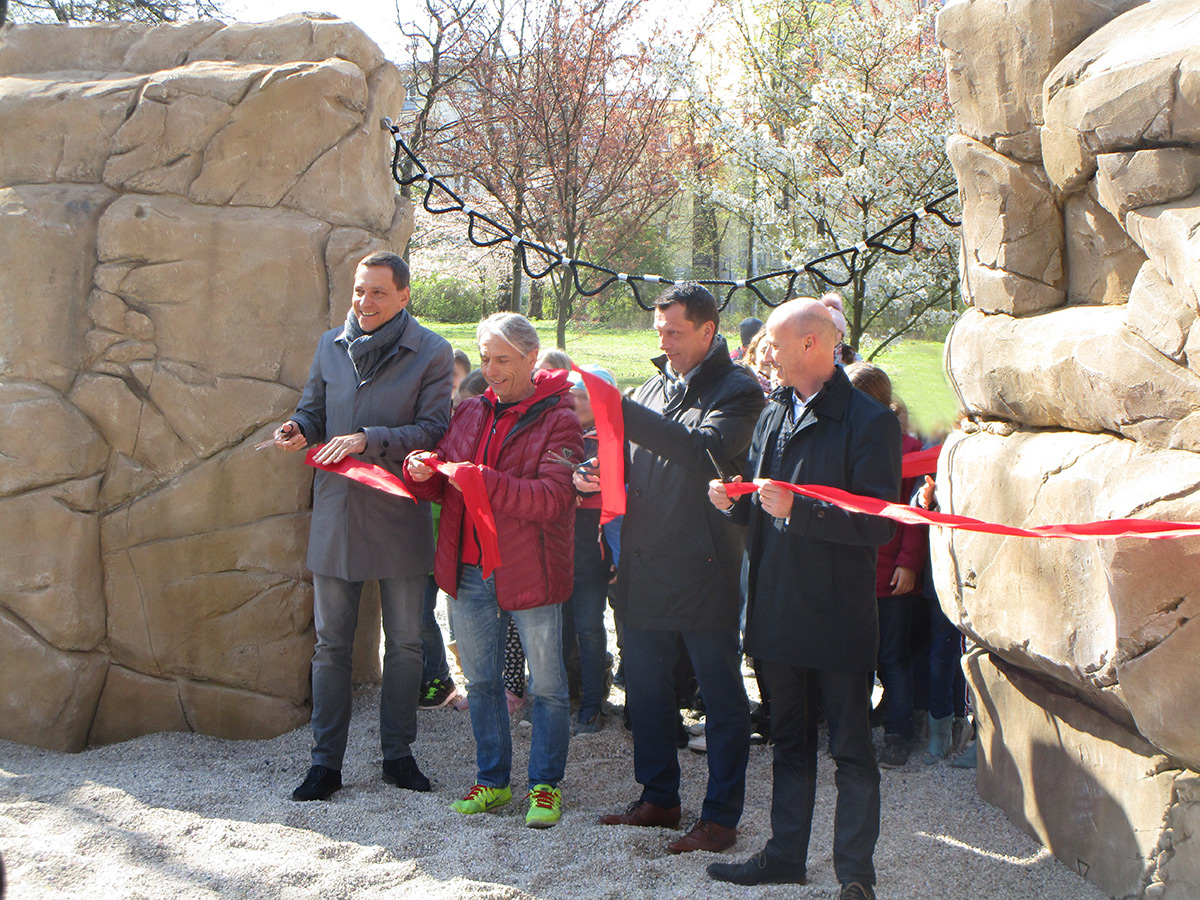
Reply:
x=909 y=515
x=610 y=433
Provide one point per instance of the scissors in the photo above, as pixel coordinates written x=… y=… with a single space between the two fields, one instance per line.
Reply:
x=271 y=440
x=564 y=459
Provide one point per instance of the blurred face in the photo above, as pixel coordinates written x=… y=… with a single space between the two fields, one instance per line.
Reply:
x=684 y=342
x=583 y=408
x=458 y=375
x=376 y=300
x=508 y=373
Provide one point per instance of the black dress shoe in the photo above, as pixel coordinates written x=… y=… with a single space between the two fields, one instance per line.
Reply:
x=319 y=784
x=403 y=773
x=758 y=869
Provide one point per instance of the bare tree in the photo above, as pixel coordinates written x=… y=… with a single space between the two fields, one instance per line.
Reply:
x=150 y=12
x=573 y=134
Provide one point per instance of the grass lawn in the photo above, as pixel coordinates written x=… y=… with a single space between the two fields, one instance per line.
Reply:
x=914 y=366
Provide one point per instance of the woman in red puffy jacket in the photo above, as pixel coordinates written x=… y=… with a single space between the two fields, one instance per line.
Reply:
x=516 y=432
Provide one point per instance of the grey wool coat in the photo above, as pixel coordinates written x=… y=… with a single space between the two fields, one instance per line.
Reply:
x=359 y=533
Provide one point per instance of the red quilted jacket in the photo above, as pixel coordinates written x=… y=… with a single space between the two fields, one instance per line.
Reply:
x=532 y=497
x=908 y=546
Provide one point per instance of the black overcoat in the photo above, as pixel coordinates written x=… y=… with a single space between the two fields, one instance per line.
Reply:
x=816 y=607
x=681 y=558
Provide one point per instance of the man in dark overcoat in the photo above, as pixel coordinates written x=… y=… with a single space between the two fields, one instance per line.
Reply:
x=378 y=389
x=677 y=583
x=812 y=618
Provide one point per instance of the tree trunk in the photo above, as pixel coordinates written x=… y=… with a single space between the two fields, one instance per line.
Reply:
x=535 y=299
x=565 y=289
x=518 y=275
x=857 y=302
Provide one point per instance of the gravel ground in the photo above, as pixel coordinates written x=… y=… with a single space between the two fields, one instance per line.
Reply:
x=188 y=816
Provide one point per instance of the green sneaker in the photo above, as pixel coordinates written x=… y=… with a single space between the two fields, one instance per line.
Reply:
x=481 y=798
x=545 y=806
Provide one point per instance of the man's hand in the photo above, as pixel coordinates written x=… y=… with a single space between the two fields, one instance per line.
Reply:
x=775 y=501
x=415 y=465
x=904 y=581
x=288 y=436
x=340 y=447
x=926 y=498
x=589 y=482
x=718 y=496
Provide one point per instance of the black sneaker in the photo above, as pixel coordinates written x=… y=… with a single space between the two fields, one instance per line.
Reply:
x=319 y=784
x=856 y=890
x=403 y=773
x=758 y=869
x=437 y=693
x=895 y=752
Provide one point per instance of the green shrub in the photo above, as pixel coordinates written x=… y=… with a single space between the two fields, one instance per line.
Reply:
x=446 y=299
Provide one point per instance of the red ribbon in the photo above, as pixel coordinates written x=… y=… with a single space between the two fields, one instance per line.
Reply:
x=469 y=477
x=909 y=515
x=610 y=432
x=362 y=472
x=920 y=462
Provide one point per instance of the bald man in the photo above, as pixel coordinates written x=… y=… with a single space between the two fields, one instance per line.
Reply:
x=811 y=617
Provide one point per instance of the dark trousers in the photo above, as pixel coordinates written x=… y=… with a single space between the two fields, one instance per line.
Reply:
x=947 y=686
x=650 y=658
x=796 y=696
x=895 y=663
x=433 y=646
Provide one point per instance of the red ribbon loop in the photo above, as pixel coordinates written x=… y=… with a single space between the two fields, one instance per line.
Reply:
x=920 y=462
x=363 y=472
x=469 y=477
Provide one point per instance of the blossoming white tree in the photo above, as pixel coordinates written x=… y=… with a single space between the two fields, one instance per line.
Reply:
x=838 y=127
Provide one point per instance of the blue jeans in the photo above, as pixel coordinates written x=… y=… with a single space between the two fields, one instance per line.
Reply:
x=479 y=628
x=335 y=612
x=650 y=658
x=797 y=696
x=895 y=663
x=583 y=620
x=433 y=645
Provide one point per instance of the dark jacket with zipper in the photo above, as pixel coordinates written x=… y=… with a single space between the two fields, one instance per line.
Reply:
x=680 y=557
x=532 y=496
x=810 y=579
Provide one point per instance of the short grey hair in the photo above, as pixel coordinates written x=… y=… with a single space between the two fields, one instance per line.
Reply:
x=511 y=327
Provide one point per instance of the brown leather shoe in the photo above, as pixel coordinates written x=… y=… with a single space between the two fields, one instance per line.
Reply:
x=642 y=812
x=705 y=835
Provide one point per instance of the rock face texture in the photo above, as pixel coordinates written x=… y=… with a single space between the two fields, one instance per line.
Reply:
x=1079 y=369
x=181 y=212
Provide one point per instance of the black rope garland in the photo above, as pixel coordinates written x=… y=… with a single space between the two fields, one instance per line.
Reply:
x=899 y=238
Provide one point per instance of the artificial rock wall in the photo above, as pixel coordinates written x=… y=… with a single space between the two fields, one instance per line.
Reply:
x=1078 y=161
x=178 y=205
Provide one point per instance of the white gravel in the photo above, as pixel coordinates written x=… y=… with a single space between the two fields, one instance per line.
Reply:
x=188 y=816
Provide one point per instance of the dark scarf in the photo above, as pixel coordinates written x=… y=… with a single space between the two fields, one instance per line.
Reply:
x=368 y=348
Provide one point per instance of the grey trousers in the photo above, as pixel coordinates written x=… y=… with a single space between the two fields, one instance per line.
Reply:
x=335 y=612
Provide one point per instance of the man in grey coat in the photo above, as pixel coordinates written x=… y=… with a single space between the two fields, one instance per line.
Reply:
x=379 y=388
